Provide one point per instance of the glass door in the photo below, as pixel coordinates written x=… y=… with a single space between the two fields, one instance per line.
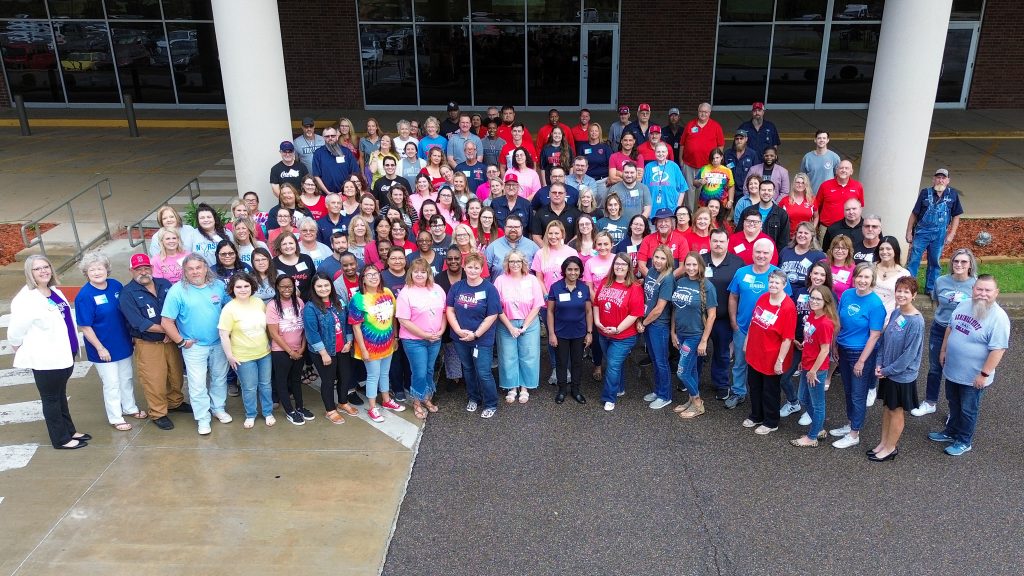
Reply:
x=599 y=66
x=957 y=65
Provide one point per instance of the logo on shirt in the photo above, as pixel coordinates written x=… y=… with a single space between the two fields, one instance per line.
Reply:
x=853 y=309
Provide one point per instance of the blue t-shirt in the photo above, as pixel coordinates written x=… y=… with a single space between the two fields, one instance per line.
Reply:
x=472 y=304
x=428 y=142
x=858 y=316
x=100 y=310
x=796 y=266
x=749 y=286
x=392 y=282
x=686 y=303
x=654 y=291
x=570 y=309
x=196 y=311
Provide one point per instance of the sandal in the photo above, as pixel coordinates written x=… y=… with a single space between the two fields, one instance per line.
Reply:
x=140 y=415
x=348 y=409
x=419 y=412
x=510 y=397
x=524 y=396
x=309 y=375
x=334 y=417
x=431 y=407
x=123 y=427
x=683 y=407
x=692 y=411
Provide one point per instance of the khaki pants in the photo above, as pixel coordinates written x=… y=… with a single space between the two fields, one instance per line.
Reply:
x=160 y=370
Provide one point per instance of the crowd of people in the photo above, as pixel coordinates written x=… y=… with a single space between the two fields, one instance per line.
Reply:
x=393 y=261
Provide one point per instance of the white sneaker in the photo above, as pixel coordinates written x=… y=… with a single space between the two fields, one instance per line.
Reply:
x=650 y=397
x=846 y=441
x=805 y=420
x=872 y=394
x=553 y=379
x=471 y=406
x=840 y=432
x=748 y=423
x=224 y=417
x=609 y=406
x=789 y=408
x=764 y=430
x=204 y=428
x=924 y=409
x=659 y=403
x=620 y=393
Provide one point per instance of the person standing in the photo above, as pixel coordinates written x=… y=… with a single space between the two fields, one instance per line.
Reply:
x=763 y=133
x=816 y=345
x=979 y=335
x=472 y=307
x=832 y=195
x=617 y=128
x=372 y=317
x=932 y=225
x=333 y=163
x=694 y=310
x=42 y=333
x=767 y=351
x=422 y=322
x=620 y=303
x=518 y=331
x=287 y=348
x=654 y=324
x=821 y=163
x=720 y=267
x=325 y=321
x=243 y=337
x=290 y=169
x=700 y=137
x=570 y=327
x=740 y=158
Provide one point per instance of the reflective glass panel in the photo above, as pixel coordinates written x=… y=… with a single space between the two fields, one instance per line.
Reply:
x=31 y=61
x=22 y=9
x=143 y=60
x=595 y=11
x=802 y=10
x=866 y=10
x=851 y=64
x=389 y=65
x=386 y=10
x=554 y=53
x=193 y=53
x=954 y=65
x=188 y=10
x=85 y=62
x=497 y=10
x=76 y=8
x=553 y=10
x=796 y=57
x=442 y=11
x=443 y=55
x=741 y=65
x=746 y=11
x=498 y=65
x=600 y=55
x=134 y=9
x=966 y=10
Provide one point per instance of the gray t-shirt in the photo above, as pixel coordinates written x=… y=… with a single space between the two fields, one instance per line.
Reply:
x=633 y=199
x=686 y=302
x=902 y=344
x=819 y=168
x=304 y=149
x=654 y=291
x=948 y=294
x=971 y=340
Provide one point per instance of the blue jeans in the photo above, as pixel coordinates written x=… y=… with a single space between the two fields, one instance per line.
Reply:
x=739 y=363
x=813 y=400
x=964 y=405
x=721 y=338
x=935 y=336
x=378 y=375
x=615 y=353
x=787 y=377
x=855 y=388
x=254 y=376
x=597 y=348
x=688 y=372
x=421 y=354
x=476 y=369
x=932 y=241
x=519 y=358
x=657 y=338
x=200 y=360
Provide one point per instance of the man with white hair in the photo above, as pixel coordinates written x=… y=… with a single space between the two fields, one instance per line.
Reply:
x=978 y=334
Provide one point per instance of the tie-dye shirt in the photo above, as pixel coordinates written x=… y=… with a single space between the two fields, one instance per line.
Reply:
x=719 y=179
x=375 y=314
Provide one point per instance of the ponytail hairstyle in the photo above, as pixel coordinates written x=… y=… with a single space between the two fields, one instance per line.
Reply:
x=700 y=281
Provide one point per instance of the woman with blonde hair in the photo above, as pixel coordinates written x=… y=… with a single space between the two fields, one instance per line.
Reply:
x=168 y=217
x=522 y=297
x=370 y=143
x=431 y=138
x=167 y=261
x=375 y=163
x=694 y=310
x=464 y=243
x=347 y=136
x=799 y=203
x=245 y=239
x=654 y=324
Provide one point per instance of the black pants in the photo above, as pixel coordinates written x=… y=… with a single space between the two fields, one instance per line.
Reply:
x=400 y=376
x=763 y=390
x=336 y=376
x=287 y=379
x=569 y=352
x=53 y=391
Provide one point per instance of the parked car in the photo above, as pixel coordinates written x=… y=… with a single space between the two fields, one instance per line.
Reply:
x=85 y=61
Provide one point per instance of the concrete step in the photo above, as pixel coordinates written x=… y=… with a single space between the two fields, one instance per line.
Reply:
x=205 y=185
x=225 y=162
x=217 y=174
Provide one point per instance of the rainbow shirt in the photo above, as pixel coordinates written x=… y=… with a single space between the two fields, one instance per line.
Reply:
x=719 y=180
x=375 y=313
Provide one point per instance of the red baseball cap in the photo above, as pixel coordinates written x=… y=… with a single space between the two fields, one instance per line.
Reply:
x=757 y=106
x=511 y=177
x=644 y=108
x=139 y=260
x=655 y=128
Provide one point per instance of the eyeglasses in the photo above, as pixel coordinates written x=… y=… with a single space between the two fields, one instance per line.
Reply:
x=963 y=262
x=41 y=268
x=370 y=274
x=872 y=225
x=515 y=261
x=463 y=235
x=751 y=222
x=228 y=254
x=816 y=299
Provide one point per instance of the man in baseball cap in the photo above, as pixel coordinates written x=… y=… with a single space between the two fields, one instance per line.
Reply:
x=512 y=203
x=451 y=123
x=932 y=226
x=616 y=128
x=158 y=361
x=307 y=142
x=665 y=234
x=289 y=169
x=654 y=137
x=642 y=127
x=672 y=132
x=762 y=133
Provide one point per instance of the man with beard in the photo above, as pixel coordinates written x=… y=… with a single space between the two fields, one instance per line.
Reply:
x=740 y=159
x=871 y=237
x=978 y=335
x=157 y=359
x=512 y=240
x=932 y=225
x=339 y=246
x=289 y=170
x=763 y=133
x=307 y=143
x=851 y=225
x=770 y=169
x=333 y=163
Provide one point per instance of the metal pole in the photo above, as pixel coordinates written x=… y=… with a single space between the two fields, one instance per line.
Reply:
x=19 y=103
x=129 y=110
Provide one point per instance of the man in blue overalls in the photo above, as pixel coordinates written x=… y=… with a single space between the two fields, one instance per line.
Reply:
x=932 y=225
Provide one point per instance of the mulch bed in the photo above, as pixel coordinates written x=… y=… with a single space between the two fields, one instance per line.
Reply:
x=10 y=240
x=1007 y=236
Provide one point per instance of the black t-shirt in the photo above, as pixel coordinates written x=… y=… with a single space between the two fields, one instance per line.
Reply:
x=382 y=187
x=301 y=272
x=568 y=217
x=862 y=254
x=293 y=174
x=475 y=174
x=721 y=276
x=856 y=234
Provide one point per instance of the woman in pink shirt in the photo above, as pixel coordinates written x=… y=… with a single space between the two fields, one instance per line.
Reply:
x=547 y=262
x=420 y=313
x=522 y=297
x=522 y=166
x=167 y=261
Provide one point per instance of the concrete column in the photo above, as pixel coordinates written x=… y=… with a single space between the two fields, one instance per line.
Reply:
x=907 y=67
x=255 y=89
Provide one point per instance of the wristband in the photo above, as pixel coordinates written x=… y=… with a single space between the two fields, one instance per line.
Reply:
x=983 y=373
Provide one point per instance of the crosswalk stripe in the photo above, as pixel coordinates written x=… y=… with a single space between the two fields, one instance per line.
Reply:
x=394 y=426
x=21 y=412
x=17 y=456
x=17 y=376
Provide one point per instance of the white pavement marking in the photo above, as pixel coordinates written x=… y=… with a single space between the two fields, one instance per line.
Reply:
x=397 y=428
x=21 y=412
x=17 y=456
x=6 y=349
x=16 y=376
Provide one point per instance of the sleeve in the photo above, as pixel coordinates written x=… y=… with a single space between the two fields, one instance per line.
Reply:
x=355 y=309
x=172 y=304
x=493 y=300
x=538 y=292
x=876 y=316
x=273 y=314
x=227 y=318
x=919 y=205
x=312 y=329
x=85 y=308
x=636 y=301
x=913 y=343
x=449 y=298
x=668 y=285
x=957 y=208
x=316 y=165
x=729 y=178
x=734 y=284
x=537 y=265
x=710 y=294
x=999 y=338
x=132 y=316
x=643 y=253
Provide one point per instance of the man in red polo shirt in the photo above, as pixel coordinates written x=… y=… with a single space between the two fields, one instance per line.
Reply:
x=665 y=235
x=742 y=243
x=833 y=194
x=508 y=120
x=545 y=130
x=581 y=131
x=646 y=150
x=700 y=136
x=519 y=138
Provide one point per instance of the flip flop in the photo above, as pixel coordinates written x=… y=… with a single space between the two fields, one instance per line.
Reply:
x=420 y=412
x=140 y=415
x=123 y=427
x=432 y=408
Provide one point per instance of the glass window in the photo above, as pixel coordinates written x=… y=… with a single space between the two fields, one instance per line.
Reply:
x=954 y=65
x=600 y=56
x=134 y=9
x=600 y=11
x=31 y=62
x=554 y=53
x=966 y=10
x=741 y=66
x=143 y=60
x=746 y=11
x=85 y=62
x=385 y=10
x=860 y=11
x=193 y=52
x=441 y=11
x=76 y=8
x=553 y=10
x=498 y=65
x=389 y=65
x=851 y=63
x=188 y=10
x=803 y=10
x=443 y=56
x=497 y=11
x=22 y=9
x=796 y=57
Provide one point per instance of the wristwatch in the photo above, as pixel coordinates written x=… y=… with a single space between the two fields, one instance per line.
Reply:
x=983 y=373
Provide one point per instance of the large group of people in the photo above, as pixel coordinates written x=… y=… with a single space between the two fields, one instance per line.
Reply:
x=391 y=260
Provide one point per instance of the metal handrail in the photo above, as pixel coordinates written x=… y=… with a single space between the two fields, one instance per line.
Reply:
x=135 y=240
x=37 y=240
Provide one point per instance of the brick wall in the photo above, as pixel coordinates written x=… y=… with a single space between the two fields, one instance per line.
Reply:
x=321 y=53
x=683 y=77
x=998 y=80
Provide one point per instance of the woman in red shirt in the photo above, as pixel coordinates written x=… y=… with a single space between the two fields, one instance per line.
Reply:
x=618 y=305
x=767 y=348
x=799 y=204
x=698 y=236
x=819 y=328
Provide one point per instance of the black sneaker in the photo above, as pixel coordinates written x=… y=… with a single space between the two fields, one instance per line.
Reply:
x=306 y=414
x=735 y=400
x=354 y=398
x=183 y=407
x=722 y=395
x=164 y=423
x=399 y=396
x=295 y=418
x=234 y=389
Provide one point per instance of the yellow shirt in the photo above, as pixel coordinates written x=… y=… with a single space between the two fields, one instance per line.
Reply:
x=246 y=324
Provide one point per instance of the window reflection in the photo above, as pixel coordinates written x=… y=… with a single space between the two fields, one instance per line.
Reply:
x=85 y=62
x=858 y=11
x=966 y=10
x=746 y=11
x=498 y=64
x=31 y=60
x=796 y=58
x=741 y=66
x=803 y=10
x=22 y=9
x=389 y=69
x=600 y=11
x=143 y=62
x=443 y=55
x=553 y=11
x=954 y=65
x=188 y=10
x=851 y=64
x=194 y=59
x=134 y=9
x=76 y=8
x=497 y=10
x=441 y=11
x=386 y=10
x=554 y=75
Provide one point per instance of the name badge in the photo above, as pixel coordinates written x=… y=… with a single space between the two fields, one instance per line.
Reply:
x=339 y=159
x=843 y=275
x=709 y=273
x=630 y=249
x=150 y=312
x=587 y=150
x=564 y=297
x=634 y=193
x=215 y=298
x=960 y=297
x=803 y=298
x=748 y=278
x=768 y=317
x=480 y=295
x=805 y=263
x=694 y=130
x=301 y=266
x=739 y=248
x=475 y=352
x=101 y=299
x=901 y=321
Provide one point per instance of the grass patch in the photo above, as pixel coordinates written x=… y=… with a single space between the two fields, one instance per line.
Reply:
x=1010 y=275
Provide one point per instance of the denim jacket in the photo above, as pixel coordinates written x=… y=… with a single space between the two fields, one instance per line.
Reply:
x=320 y=326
